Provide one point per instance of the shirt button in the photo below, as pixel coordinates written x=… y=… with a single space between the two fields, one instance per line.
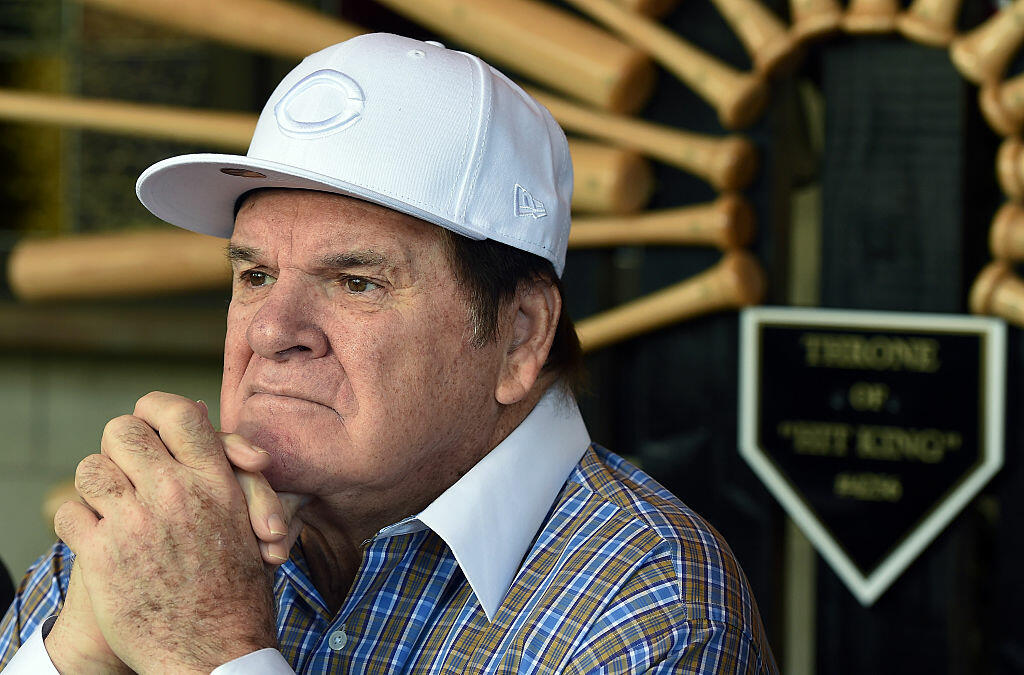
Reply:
x=337 y=640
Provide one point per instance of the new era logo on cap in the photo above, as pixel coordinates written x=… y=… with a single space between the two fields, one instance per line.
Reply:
x=526 y=205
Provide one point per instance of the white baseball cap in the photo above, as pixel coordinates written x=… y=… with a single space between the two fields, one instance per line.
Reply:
x=434 y=133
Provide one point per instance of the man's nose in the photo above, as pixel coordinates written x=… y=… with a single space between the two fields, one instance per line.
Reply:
x=286 y=325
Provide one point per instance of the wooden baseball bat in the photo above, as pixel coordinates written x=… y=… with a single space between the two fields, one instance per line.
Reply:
x=930 y=22
x=1010 y=167
x=737 y=280
x=727 y=222
x=652 y=8
x=983 y=54
x=227 y=130
x=543 y=42
x=739 y=98
x=546 y=43
x=997 y=291
x=1006 y=236
x=812 y=19
x=607 y=179
x=283 y=28
x=870 y=16
x=728 y=163
x=161 y=261
x=771 y=45
x=1002 y=103
x=142 y=263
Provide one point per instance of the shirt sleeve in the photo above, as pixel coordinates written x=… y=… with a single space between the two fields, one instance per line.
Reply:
x=40 y=595
x=32 y=658
x=265 y=662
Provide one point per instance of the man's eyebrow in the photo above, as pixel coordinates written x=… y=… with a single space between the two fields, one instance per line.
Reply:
x=352 y=259
x=348 y=259
x=237 y=253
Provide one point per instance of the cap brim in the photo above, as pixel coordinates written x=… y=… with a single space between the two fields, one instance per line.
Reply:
x=198 y=192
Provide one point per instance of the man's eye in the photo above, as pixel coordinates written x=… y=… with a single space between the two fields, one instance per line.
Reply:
x=256 y=279
x=358 y=285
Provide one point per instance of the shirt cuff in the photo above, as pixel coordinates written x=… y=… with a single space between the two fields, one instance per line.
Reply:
x=267 y=661
x=32 y=656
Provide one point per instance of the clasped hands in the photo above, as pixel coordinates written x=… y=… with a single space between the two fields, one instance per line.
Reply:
x=175 y=550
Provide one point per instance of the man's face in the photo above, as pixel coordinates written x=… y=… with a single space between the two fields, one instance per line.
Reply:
x=349 y=351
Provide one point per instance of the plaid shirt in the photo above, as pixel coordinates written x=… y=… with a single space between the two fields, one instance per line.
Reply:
x=620 y=578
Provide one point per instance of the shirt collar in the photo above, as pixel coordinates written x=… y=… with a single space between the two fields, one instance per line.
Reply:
x=491 y=515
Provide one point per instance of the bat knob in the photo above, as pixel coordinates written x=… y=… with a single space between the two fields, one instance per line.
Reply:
x=965 y=57
x=745 y=104
x=734 y=165
x=1004 y=237
x=778 y=56
x=744 y=276
x=1008 y=161
x=986 y=285
x=635 y=86
x=923 y=30
x=817 y=25
x=740 y=215
x=999 y=117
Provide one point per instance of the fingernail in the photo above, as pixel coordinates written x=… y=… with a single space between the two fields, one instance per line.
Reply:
x=276 y=524
x=237 y=442
x=277 y=552
x=202 y=404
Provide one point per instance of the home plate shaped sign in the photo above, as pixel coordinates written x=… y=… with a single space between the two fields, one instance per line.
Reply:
x=872 y=429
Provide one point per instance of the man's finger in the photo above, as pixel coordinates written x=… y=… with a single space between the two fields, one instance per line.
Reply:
x=134 y=446
x=184 y=428
x=243 y=454
x=72 y=523
x=276 y=553
x=102 y=484
x=268 y=518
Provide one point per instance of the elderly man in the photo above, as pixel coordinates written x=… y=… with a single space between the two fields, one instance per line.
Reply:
x=397 y=354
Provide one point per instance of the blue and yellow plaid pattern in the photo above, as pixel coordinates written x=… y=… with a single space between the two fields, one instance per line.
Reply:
x=622 y=578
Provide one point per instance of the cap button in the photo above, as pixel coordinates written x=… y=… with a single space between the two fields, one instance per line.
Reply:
x=435 y=43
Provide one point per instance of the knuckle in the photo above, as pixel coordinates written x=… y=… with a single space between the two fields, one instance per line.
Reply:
x=93 y=478
x=128 y=431
x=64 y=521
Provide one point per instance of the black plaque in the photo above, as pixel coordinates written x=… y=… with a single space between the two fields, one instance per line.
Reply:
x=873 y=429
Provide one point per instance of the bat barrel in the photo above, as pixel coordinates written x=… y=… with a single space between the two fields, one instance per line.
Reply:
x=546 y=43
x=608 y=179
x=147 y=262
x=273 y=26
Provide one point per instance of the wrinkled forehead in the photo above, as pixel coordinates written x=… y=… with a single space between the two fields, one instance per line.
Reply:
x=313 y=224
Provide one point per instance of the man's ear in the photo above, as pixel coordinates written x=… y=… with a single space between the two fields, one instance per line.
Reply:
x=536 y=309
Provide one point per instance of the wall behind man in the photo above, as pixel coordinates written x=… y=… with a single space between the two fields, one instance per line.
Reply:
x=52 y=411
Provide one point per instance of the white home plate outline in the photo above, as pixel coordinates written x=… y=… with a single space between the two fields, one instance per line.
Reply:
x=993 y=333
